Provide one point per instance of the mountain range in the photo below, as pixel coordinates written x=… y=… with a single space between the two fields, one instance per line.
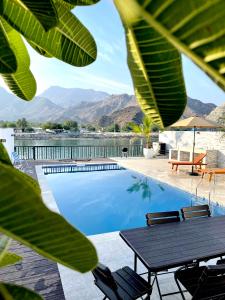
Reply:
x=57 y=104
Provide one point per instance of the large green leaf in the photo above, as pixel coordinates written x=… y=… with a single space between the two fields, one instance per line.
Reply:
x=8 y=63
x=24 y=217
x=39 y=50
x=4 y=243
x=22 y=82
x=7 y=258
x=69 y=41
x=194 y=27
x=44 y=11
x=82 y=2
x=4 y=157
x=155 y=67
x=15 y=292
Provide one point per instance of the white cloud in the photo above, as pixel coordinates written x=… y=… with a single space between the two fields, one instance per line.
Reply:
x=104 y=57
x=102 y=83
x=110 y=48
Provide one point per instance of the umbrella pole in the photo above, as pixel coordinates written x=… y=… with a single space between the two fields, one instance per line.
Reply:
x=193 y=156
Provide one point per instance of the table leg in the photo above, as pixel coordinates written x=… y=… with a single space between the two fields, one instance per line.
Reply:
x=149 y=281
x=149 y=277
x=135 y=262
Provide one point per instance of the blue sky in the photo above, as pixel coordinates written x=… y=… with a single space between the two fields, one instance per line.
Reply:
x=110 y=72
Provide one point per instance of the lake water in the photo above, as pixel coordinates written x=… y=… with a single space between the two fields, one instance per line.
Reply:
x=81 y=142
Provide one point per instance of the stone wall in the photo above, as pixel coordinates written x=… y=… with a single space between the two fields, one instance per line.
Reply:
x=205 y=140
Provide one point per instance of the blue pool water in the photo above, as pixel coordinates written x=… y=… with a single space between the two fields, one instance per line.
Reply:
x=105 y=201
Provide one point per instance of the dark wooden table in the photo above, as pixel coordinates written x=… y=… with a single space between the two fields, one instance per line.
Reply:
x=172 y=245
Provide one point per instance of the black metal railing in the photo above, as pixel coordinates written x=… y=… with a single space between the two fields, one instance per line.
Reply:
x=80 y=168
x=75 y=152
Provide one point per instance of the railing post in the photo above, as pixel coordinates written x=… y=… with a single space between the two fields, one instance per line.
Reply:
x=71 y=153
x=34 y=153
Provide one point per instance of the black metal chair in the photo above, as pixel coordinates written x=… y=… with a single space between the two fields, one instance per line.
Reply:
x=163 y=217
x=198 y=211
x=207 y=282
x=158 y=218
x=125 y=152
x=123 y=284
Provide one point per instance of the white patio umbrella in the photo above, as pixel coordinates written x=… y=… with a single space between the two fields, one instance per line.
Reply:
x=195 y=122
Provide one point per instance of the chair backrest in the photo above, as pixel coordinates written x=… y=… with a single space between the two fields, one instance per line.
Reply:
x=125 y=149
x=199 y=158
x=105 y=282
x=211 y=284
x=162 y=217
x=195 y=212
x=16 y=157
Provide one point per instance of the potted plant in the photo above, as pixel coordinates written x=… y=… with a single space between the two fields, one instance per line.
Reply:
x=145 y=129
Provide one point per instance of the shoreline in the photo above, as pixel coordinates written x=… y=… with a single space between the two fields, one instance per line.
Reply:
x=75 y=136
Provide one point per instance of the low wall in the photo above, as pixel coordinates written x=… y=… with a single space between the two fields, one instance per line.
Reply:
x=8 y=135
x=206 y=140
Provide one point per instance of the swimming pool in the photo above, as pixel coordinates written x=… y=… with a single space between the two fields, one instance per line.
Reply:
x=100 y=201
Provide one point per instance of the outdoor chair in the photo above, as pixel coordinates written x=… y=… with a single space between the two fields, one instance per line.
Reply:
x=195 y=212
x=125 y=152
x=206 y=282
x=17 y=161
x=198 y=162
x=162 y=217
x=123 y=284
x=212 y=172
x=20 y=164
x=158 y=218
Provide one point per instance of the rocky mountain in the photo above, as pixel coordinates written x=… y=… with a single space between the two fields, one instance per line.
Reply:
x=197 y=107
x=90 y=112
x=218 y=115
x=39 y=109
x=134 y=114
x=112 y=108
x=67 y=97
x=122 y=117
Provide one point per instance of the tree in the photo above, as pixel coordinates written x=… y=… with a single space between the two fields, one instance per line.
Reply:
x=116 y=127
x=11 y=124
x=3 y=124
x=90 y=127
x=70 y=125
x=113 y=128
x=52 y=126
x=22 y=124
x=29 y=129
x=126 y=127
x=145 y=129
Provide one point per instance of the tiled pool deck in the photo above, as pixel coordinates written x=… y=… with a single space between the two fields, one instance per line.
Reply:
x=111 y=249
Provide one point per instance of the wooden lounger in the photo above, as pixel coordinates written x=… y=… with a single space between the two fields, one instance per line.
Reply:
x=212 y=172
x=197 y=162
